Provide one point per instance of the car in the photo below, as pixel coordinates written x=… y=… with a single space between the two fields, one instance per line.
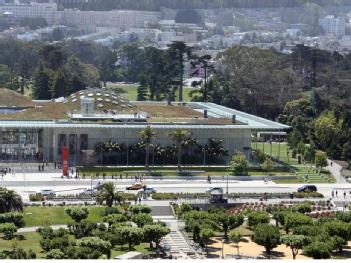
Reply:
x=212 y=189
x=89 y=192
x=136 y=186
x=47 y=192
x=149 y=190
x=99 y=186
x=307 y=188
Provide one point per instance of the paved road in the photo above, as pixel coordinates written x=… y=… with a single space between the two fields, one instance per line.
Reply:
x=28 y=183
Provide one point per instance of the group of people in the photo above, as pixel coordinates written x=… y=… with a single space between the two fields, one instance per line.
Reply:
x=5 y=171
x=335 y=193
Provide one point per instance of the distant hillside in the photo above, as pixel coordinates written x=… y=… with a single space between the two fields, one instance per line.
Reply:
x=156 y=5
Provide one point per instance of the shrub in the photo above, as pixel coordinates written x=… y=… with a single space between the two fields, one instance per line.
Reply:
x=142 y=219
x=15 y=218
x=77 y=213
x=136 y=209
x=8 y=229
x=164 y=196
x=55 y=254
x=302 y=208
x=114 y=218
x=36 y=198
x=318 y=250
x=308 y=195
x=112 y=210
x=293 y=220
x=255 y=218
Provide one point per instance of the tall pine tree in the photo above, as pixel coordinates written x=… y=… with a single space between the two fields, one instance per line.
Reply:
x=42 y=84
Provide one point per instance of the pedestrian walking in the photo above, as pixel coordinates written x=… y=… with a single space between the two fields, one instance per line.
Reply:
x=333 y=194
x=120 y=176
x=39 y=168
x=55 y=164
x=336 y=193
x=344 y=194
x=139 y=199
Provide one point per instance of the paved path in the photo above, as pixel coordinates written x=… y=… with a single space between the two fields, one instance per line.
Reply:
x=35 y=228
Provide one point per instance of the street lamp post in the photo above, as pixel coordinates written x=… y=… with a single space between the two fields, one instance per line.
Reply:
x=227 y=183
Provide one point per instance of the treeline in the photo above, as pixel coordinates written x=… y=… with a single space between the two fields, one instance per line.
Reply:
x=50 y=71
x=156 y=5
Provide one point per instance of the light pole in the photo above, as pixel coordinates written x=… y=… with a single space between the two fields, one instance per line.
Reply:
x=91 y=187
x=227 y=183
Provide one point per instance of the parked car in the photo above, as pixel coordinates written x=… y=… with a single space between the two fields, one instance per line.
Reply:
x=136 y=186
x=47 y=192
x=99 y=186
x=89 y=192
x=212 y=189
x=149 y=190
x=307 y=188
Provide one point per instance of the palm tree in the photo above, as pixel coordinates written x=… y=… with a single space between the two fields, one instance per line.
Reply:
x=147 y=134
x=10 y=201
x=178 y=49
x=179 y=136
x=109 y=195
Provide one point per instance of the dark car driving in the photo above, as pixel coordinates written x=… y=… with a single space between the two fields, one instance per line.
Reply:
x=307 y=188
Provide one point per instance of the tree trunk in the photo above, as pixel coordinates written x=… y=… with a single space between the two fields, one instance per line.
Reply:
x=268 y=252
x=181 y=76
x=179 y=155
x=205 y=89
x=147 y=150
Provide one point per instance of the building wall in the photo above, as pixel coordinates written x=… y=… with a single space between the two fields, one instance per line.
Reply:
x=234 y=140
x=116 y=18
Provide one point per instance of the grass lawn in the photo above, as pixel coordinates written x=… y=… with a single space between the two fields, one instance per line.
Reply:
x=276 y=150
x=39 y=216
x=130 y=91
x=31 y=241
x=142 y=248
x=211 y=171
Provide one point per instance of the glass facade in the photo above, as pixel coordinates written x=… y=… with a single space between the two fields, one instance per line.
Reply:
x=21 y=144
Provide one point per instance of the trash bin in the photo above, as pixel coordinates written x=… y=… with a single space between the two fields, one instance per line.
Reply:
x=291 y=196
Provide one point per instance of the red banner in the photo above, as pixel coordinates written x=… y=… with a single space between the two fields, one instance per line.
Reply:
x=65 y=161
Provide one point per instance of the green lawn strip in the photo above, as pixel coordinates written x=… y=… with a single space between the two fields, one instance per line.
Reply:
x=142 y=248
x=40 y=216
x=30 y=241
x=282 y=149
x=212 y=171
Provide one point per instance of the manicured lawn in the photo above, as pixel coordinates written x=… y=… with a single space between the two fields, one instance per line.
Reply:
x=212 y=171
x=142 y=248
x=39 y=216
x=276 y=150
x=31 y=241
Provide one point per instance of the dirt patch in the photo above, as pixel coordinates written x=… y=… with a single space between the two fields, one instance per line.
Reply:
x=251 y=249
